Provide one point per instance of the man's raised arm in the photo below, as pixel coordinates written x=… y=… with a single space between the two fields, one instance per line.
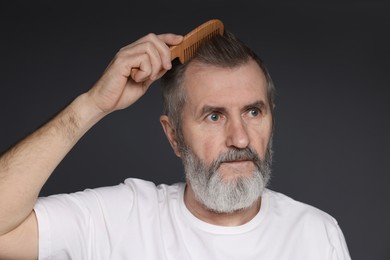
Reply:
x=26 y=167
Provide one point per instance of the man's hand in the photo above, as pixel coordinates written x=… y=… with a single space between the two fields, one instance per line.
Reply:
x=132 y=71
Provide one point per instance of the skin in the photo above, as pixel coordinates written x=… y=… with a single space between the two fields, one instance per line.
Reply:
x=26 y=167
x=226 y=108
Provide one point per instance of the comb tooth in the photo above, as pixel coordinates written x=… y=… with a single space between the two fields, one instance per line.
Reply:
x=186 y=54
x=194 y=49
x=195 y=38
x=209 y=33
x=189 y=53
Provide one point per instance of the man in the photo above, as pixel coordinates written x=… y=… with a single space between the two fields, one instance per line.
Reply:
x=218 y=119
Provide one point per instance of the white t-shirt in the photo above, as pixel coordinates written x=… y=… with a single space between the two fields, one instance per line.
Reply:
x=139 y=220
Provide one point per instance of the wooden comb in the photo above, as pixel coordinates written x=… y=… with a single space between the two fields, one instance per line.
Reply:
x=192 y=40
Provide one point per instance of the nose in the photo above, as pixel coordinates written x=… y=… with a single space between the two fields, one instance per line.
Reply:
x=237 y=134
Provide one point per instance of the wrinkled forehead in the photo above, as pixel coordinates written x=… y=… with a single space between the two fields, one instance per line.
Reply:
x=217 y=84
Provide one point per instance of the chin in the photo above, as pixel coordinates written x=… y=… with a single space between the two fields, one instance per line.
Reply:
x=229 y=173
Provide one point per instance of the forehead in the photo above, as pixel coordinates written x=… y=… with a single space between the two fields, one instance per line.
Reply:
x=211 y=85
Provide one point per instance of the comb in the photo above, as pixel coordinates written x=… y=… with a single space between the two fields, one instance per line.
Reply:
x=192 y=40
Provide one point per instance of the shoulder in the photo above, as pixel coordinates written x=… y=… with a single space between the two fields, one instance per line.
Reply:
x=121 y=197
x=141 y=188
x=299 y=212
x=307 y=225
x=136 y=187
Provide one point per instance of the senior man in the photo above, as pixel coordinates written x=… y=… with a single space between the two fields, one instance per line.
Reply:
x=218 y=118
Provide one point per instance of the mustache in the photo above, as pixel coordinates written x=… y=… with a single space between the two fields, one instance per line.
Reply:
x=234 y=154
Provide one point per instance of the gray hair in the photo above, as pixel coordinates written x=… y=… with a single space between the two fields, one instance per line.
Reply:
x=225 y=51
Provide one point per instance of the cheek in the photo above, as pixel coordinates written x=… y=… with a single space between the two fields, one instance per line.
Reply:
x=260 y=137
x=205 y=144
x=210 y=150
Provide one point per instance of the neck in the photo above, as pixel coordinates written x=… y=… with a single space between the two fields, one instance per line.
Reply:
x=236 y=218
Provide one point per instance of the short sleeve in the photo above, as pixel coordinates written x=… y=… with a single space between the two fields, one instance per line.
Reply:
x=81 y=225
x=339 y=246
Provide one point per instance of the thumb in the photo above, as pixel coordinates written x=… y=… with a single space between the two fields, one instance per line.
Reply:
x=171 y=39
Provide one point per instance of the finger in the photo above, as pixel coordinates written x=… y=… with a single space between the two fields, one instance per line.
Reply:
x=141 y=68
x=139 y=58
x=161 y=73
x=153 y=55
x=169 y=39
x=161 y=43
x=151 y=52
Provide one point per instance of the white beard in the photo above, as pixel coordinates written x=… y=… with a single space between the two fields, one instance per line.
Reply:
x=224 y=196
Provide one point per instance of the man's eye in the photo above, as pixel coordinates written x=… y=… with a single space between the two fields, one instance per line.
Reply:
x=214 y=117
x=254 y=112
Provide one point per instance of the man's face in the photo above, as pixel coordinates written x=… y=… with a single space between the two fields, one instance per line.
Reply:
x=227 y=112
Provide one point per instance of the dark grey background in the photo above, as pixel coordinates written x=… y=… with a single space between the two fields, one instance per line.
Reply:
x=329 y=61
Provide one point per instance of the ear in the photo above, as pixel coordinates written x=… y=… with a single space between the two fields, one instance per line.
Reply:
x=170 y=133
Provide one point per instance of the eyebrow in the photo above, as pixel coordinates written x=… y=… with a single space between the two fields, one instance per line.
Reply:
x=208 y=109
x=258 y=104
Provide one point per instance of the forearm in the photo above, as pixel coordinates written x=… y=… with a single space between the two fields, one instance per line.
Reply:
x=26 y=167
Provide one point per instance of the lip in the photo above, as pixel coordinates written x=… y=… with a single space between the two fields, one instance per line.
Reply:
x=238 y=161
x=241 y=167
